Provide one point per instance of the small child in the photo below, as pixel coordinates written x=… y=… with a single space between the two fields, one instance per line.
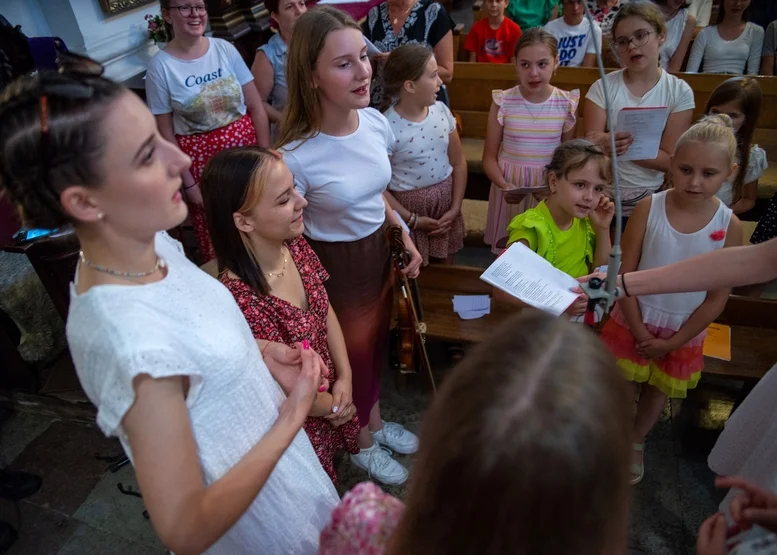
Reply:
x=571 y=227
x=525 y=125
x=740 y=99
x=577 y=38
x=658 y=339
x=492 y=40
x=428 y=168
x=530 y=430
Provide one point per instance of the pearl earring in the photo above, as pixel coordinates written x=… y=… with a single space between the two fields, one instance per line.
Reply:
x=100 y=215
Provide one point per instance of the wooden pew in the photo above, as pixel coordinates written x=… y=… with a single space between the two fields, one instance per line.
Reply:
x=470 y=93
x=753 y=321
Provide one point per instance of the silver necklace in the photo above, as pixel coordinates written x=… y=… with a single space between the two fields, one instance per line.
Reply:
x=533 y=117
x=394 y=21
x=129 y=275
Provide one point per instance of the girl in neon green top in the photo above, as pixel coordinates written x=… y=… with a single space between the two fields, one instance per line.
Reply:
x=571 y=228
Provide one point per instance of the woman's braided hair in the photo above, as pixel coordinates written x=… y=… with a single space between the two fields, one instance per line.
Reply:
x=35 y=167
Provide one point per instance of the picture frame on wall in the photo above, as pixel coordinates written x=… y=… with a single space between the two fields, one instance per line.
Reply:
x=112 y=7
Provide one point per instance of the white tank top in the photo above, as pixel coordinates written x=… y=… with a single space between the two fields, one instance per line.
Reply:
x=664 y=245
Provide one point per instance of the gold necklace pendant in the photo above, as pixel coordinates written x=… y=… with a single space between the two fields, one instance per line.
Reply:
x=283 y=269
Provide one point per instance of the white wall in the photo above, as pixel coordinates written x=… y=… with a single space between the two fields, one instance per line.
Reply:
x=120 y=42
x=28 y=14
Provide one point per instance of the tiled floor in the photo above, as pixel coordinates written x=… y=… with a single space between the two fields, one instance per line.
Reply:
x=79 y=509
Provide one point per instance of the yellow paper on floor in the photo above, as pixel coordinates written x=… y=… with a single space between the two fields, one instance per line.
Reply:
x=718 y=342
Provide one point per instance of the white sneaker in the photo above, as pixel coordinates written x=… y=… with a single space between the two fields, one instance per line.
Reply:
x=396 y=438
x=379 y=465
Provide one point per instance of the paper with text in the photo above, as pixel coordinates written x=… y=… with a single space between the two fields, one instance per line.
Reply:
x=717 y=344
x=531 y=279
x=646 y=126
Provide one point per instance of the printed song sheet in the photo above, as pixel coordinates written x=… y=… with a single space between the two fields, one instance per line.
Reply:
x=646 y=126
x=533 y=280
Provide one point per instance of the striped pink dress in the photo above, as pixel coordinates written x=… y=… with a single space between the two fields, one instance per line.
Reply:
x=530 y=134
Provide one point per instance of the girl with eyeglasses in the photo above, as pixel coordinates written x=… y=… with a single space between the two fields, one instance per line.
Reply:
x=638 y=33
x=732 y=45
x=204 y=99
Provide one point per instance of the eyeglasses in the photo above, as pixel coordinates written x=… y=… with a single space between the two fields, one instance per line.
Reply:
x=186 y=11
x=71 y=65
x=640 y=38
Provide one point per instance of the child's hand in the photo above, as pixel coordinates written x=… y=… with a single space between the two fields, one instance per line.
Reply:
x=601 y=217
x=445 y=222
x=712 y=536
x=655 y=348
x=578 y=307
x=426 y=224
x=515 y=196
x=752 y=506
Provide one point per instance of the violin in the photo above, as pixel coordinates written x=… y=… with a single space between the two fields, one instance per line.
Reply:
x=411 y=344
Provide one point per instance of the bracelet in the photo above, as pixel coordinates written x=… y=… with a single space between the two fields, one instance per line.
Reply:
x=192 y=186
x=412 y=220
x=415 y=222
x=623 y=284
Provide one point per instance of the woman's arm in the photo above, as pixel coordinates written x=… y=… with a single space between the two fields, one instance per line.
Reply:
x=188 y=516
x=756 y=48
x=595 y=122
x=715 y=302
x=676 y=62
x=403 y=212
x=255 y=108
x=414 y=266
x=632 y=252
x=677 y=124
x=491 y=148
x=264 y=79
x=443 y=53
x=697 y=51
x=342 y=390
x=190 y=189
x=747 y=200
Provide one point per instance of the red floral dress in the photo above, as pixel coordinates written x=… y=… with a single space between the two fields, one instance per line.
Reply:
x=273 y=319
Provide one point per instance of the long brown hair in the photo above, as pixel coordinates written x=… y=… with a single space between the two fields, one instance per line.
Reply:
x=524 y=450
x=233 y=181
x=746 y=92
x=302 y=116
x=406 y=63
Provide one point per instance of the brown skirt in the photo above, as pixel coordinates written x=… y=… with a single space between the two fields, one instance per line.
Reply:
x=433 y=202
x=360 y=289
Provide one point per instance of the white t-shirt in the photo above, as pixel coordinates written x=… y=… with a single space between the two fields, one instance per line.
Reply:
x=575 y=41
x=420 y=156
x=755 y=169
x=675 y=28
x=739 y=56
x=674 y=93
x=701 y=10
x=188 y=324
x=203 y=94
x=343 y=179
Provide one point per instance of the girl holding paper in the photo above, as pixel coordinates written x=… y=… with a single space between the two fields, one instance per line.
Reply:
x=638 y=33
x=571 y=228
x=658 y=338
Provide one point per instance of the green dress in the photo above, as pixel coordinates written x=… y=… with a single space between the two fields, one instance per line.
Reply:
x=571 y=250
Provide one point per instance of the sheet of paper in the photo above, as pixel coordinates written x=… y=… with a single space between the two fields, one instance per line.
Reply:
x=718 y=342
x=469 y=307
x=533 y=280
x=646 y=126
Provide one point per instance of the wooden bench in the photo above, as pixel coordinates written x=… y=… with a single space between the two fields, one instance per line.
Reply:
x=470 y=93
x=753 y=321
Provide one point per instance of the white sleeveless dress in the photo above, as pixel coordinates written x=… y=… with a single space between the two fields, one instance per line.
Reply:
x=188 y=324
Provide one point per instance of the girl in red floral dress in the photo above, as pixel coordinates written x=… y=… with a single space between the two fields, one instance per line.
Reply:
x=254 y=216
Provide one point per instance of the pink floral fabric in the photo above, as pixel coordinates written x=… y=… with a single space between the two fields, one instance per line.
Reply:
x=363 y=522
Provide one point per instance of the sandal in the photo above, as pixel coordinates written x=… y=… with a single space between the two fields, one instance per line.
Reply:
x=638 y=470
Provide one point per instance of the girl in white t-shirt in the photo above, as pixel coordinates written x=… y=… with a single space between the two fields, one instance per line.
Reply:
x=638 y=33
x=160 y=347
x=338 y=151
x=680 y=25
x=203 y=96
x=732 y=45
x=428 y=168
x=740 y=99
